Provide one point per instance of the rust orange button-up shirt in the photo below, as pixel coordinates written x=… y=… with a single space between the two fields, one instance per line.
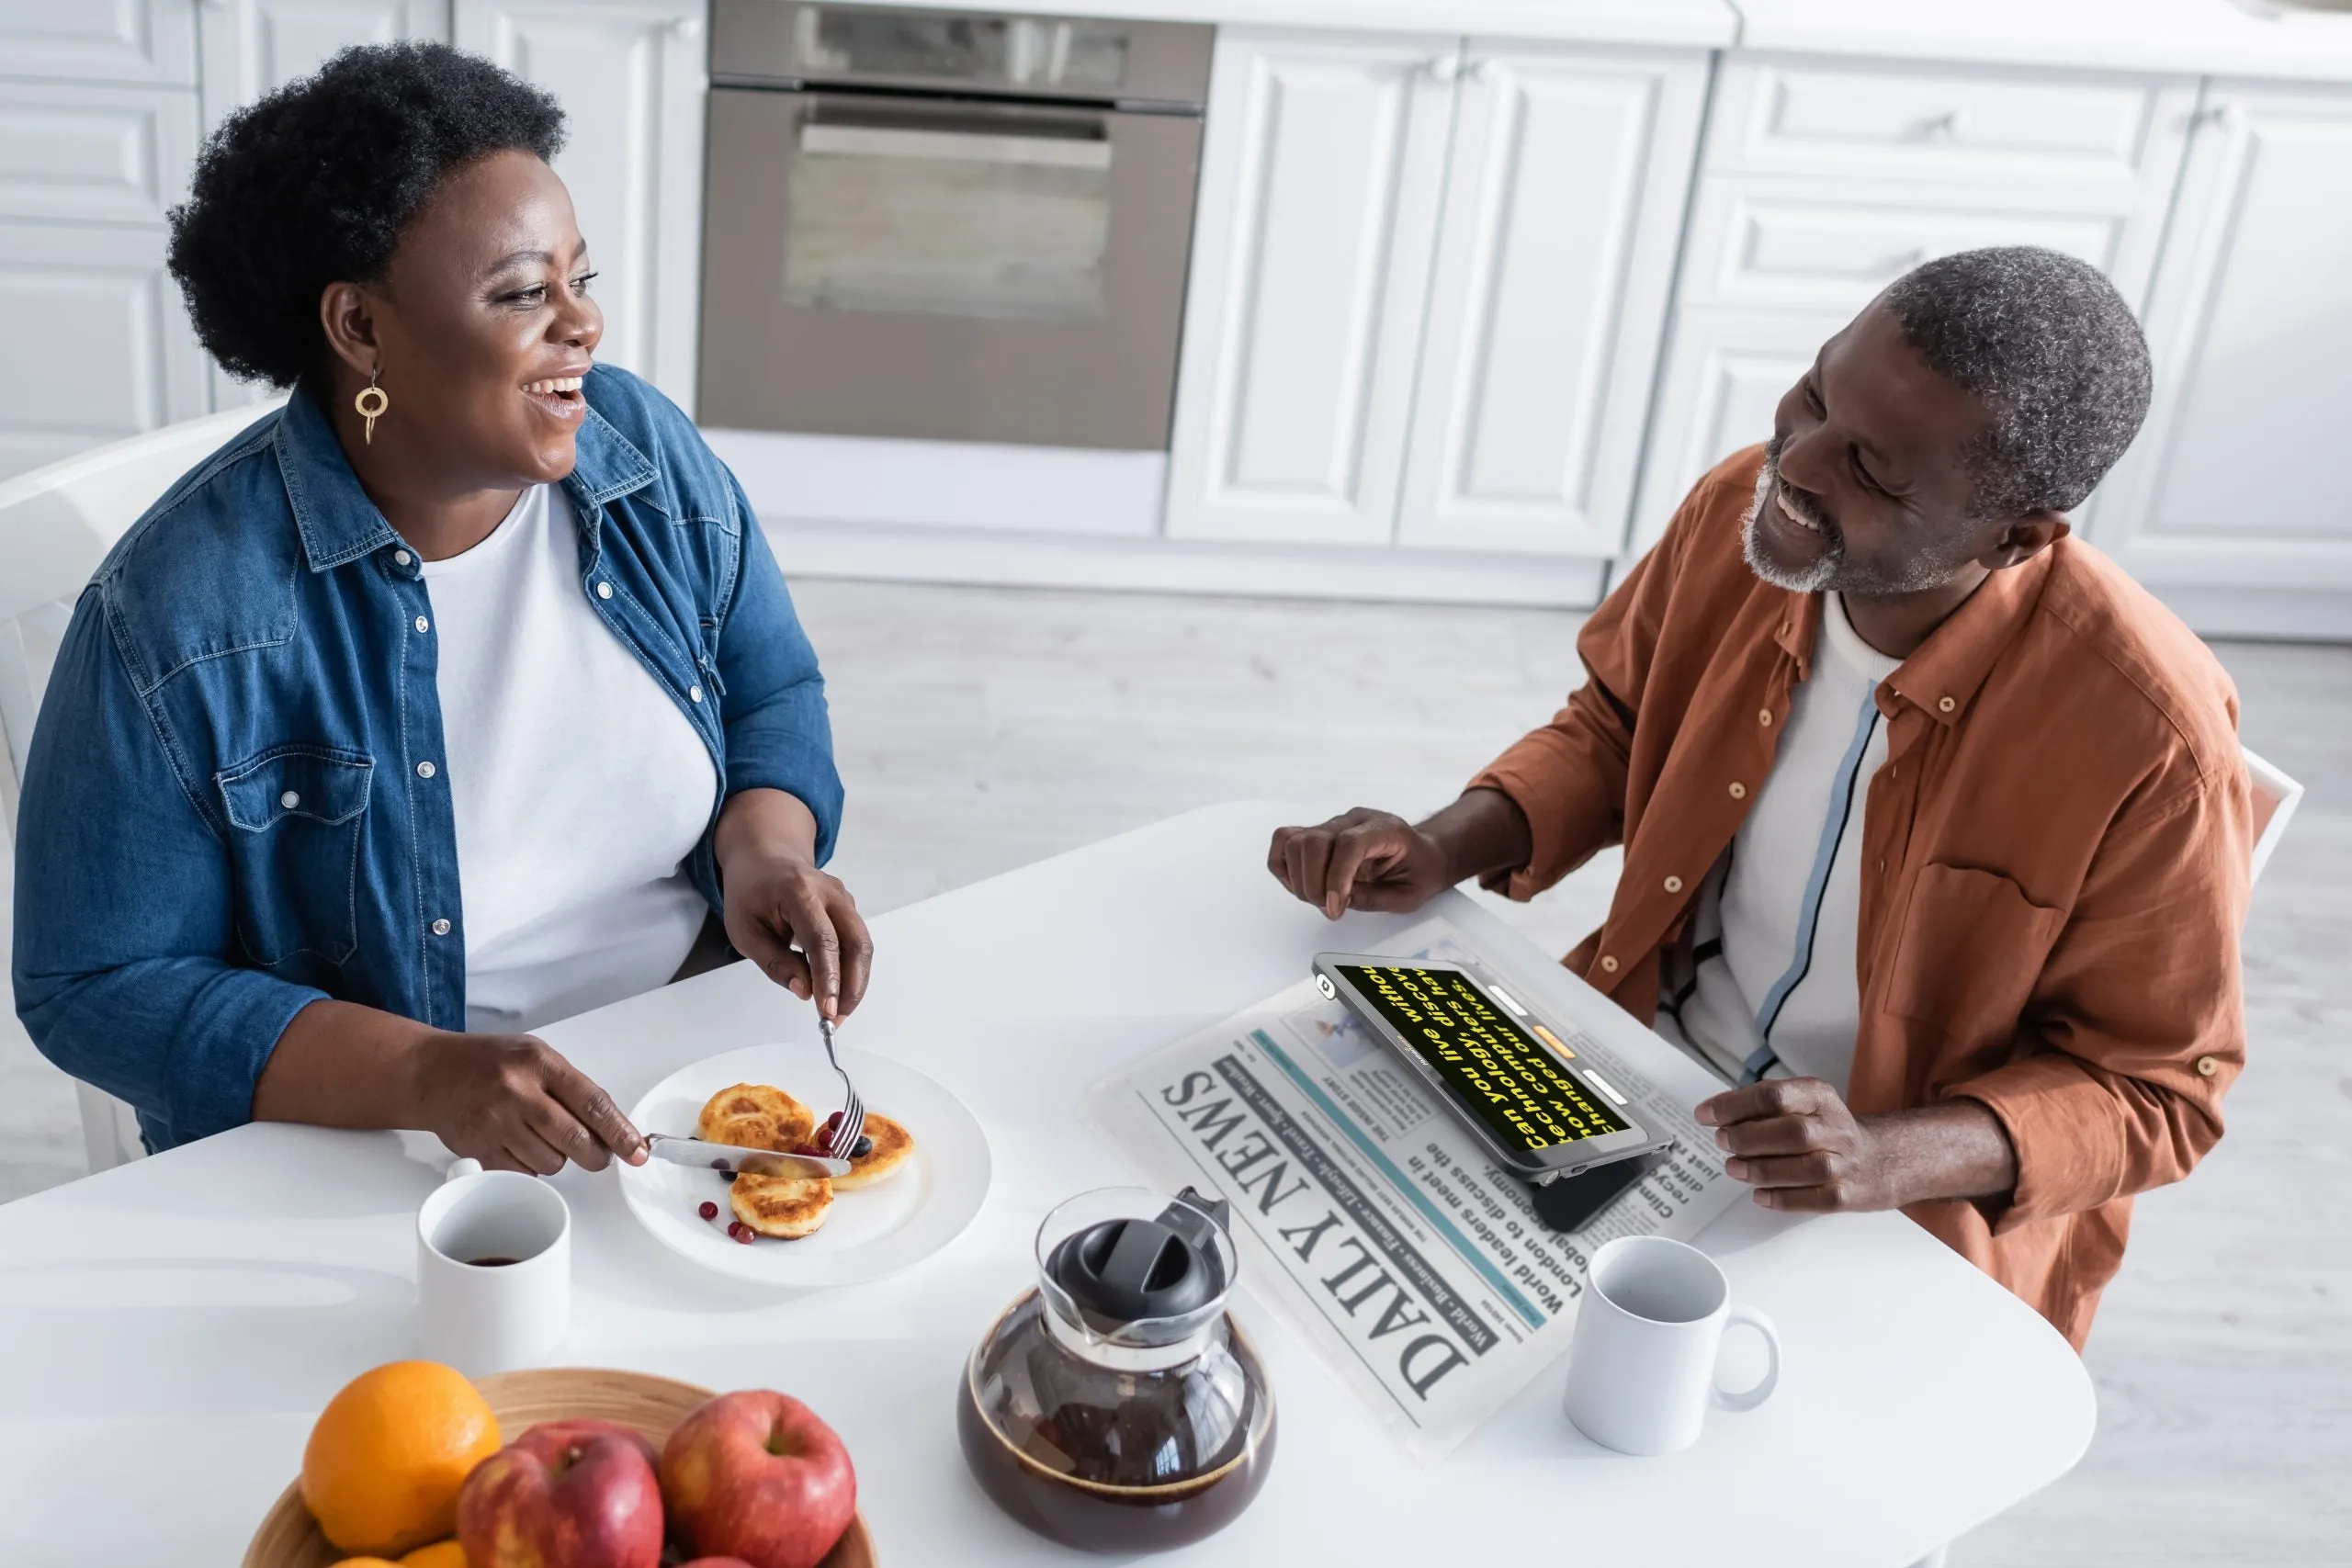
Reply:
x=2054 y=870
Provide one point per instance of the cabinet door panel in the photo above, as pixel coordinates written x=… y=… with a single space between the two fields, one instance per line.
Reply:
x=100 y=41
x=1815 y=244
x=2237 y=479
x=1726 y=372
x=1317 y=213
x=630 y=77
x=1563 y=202
x=94 y=311
x=100 y=154
x=253 y=47
x=2005 y=124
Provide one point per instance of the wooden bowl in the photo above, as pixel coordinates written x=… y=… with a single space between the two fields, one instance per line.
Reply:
x=288 y=1538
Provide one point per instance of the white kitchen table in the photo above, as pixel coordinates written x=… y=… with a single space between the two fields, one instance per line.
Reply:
x=168 y=1330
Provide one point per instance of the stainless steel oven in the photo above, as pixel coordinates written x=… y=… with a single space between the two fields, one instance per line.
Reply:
x=947 y=225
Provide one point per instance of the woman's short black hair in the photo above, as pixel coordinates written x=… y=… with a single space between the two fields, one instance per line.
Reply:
x=314 y=183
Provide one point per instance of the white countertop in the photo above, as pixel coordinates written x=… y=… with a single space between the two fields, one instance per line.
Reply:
x=2198 y=38
x=1704 y=24
x=2222 y=38
x=169 y=1330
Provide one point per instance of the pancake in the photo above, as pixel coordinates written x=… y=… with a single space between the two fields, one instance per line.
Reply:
x=755 y=1116
x=782 y=1206
x=893 y=1146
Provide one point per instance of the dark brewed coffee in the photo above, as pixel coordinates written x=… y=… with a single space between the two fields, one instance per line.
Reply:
x=492 y=1263
x=1085 y=1464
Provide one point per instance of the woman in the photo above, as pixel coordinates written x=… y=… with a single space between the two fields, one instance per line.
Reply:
x=456 y=697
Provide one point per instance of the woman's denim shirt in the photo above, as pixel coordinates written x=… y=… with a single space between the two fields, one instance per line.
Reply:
x=236 y=802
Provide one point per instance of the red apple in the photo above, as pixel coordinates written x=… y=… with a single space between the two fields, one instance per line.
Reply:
x=564 y=1494
x=716 y=1562
x=756 y=1475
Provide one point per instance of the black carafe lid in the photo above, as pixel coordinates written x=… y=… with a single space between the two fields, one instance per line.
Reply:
x=1130 y=1271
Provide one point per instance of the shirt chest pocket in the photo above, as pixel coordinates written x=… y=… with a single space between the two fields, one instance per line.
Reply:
x=297 y=814
x=1973 y=946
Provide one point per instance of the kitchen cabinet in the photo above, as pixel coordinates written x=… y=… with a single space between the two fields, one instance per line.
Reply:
x=1563 y=204
x=253 y=47
x=2231 y=504
x=150 y=41
x=1424 y=269
x=1322 y=173
x=1822 y=181
x=90 y=309
x=98 y=131
x=631 y=77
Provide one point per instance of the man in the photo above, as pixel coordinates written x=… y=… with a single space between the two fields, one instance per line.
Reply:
x=1936 y=830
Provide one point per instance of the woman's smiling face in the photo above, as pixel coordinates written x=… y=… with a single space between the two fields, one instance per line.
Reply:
x=482 y=327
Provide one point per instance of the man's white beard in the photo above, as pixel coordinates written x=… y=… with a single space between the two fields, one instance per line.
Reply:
x=1820 y=575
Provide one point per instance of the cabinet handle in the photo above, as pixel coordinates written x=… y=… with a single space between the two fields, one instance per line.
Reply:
x=1480 y=71
x=1442 y=68
x=1944 y=127
x=686 y=30
x=2229 y=117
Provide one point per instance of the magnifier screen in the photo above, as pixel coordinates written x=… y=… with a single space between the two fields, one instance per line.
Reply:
x=1488 y=1061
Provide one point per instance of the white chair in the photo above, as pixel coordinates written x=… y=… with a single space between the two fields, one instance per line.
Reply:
x=2274 y=798
x=56 y=524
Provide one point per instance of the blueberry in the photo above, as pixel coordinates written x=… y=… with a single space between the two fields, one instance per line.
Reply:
x=865 y=1147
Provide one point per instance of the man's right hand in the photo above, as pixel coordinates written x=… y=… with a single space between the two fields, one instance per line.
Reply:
x=514 y=1103
x=1361 y=859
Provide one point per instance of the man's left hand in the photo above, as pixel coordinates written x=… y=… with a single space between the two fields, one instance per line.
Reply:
x=1796 y=1142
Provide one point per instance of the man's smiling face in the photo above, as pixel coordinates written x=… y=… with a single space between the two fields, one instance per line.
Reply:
x=1866 y=488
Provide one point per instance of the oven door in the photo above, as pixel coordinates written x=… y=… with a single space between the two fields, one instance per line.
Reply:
x=945 y=270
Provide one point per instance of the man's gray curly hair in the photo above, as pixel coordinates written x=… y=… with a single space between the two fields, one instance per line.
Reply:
x=2045 y=342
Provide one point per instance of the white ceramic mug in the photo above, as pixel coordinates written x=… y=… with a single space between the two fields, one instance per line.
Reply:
x=478 y=1314
x=1642 y=1364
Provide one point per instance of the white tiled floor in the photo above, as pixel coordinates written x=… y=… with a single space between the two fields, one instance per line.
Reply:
x=981 y=729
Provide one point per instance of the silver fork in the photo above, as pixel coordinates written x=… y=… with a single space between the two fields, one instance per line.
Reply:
x=852 y=1126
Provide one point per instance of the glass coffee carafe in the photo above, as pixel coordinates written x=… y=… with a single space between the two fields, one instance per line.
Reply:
x=1116 y=1407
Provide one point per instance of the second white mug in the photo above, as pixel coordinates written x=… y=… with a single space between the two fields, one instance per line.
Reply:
x=493 y=1270
x=1642 y=1362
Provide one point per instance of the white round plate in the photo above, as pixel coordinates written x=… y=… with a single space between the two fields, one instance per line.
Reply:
x=867 y=1233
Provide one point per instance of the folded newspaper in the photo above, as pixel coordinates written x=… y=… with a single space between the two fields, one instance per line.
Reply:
x=1370 y=1220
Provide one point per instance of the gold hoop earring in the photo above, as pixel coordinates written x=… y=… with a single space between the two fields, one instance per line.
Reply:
x=371 y=402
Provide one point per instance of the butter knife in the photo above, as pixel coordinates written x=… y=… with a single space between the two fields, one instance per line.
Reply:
x=727 y=1157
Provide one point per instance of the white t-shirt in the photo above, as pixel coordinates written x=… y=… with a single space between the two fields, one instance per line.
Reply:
x=578 y=786
x=1763 y=985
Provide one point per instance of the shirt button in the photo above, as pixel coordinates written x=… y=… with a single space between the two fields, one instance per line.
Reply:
x=1946 y=703
x=401 y=558
x=1608 y=964
x=1764 y=717
x=424 y=770
x=440 y=928
x=2207 y=1066
x=604 y=591
x=1738 y=790
x=289 y=800
x=1673 y=884
x=695 y=692
x=423 y=624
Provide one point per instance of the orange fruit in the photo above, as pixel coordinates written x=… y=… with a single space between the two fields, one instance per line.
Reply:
x=440 y=1554
x=389 y=1453
x=367 y=1562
